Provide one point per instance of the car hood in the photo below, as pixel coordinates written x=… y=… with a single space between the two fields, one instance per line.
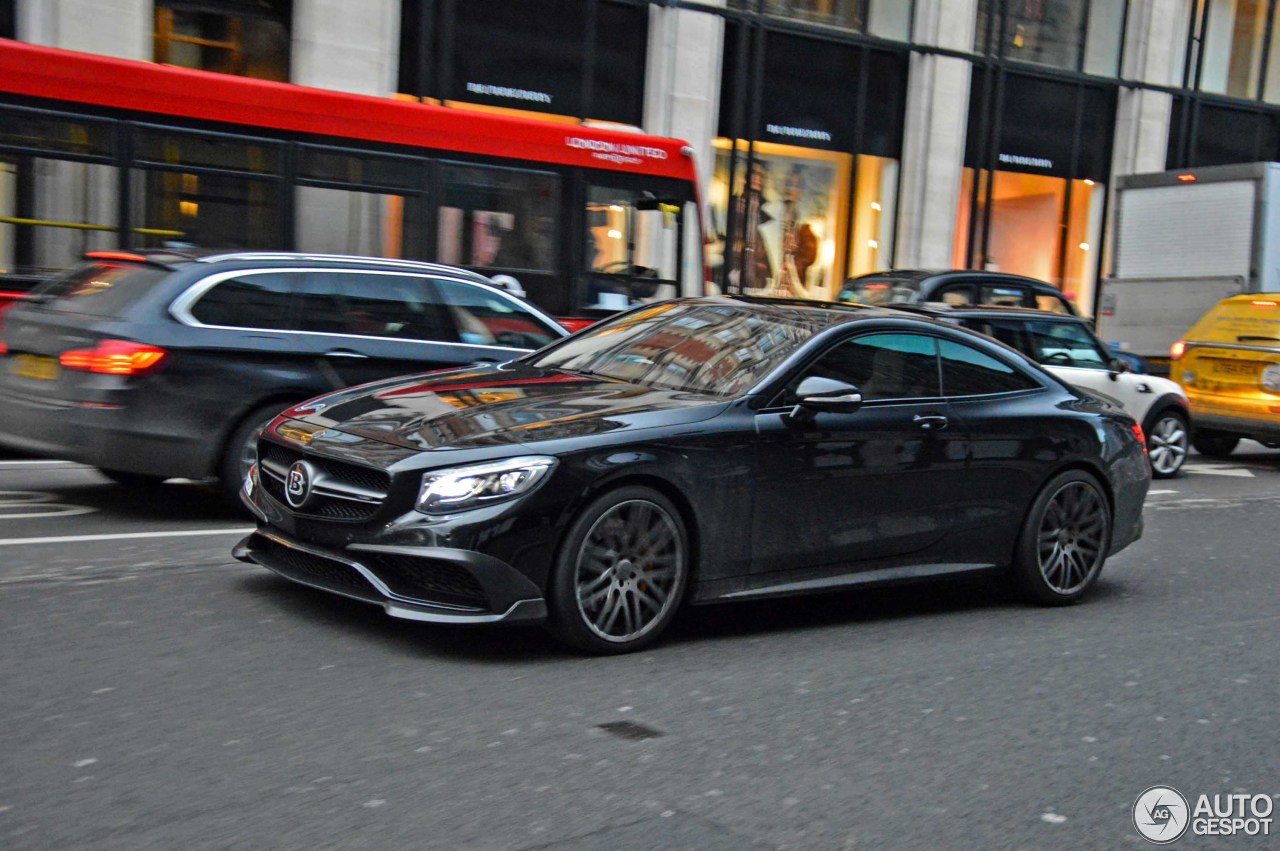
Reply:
x=507 y=404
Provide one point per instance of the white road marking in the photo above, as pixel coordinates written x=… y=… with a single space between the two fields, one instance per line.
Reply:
x=1153 y=493
x=121 y=536
x=1238 y=472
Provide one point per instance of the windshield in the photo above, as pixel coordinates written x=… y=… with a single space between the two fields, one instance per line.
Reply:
x=879 y=289
x=98 y=289
x=717 y=348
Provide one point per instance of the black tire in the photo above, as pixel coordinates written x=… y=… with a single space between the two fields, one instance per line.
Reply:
x=1168 y=437
x=132 y=480
x=1215 y=444
x=1064 y=540
x=234 y=464
x=621 y=572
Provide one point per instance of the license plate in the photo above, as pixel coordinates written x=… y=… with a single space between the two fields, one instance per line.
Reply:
x=1237 y=368
x=34 y=366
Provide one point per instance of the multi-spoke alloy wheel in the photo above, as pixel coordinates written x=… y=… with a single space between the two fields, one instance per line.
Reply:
x=1167 y=444
x=1064 y=540
x=622 y=572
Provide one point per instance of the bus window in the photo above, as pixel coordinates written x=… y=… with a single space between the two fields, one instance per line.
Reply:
x=632 y=247
x=498 y=218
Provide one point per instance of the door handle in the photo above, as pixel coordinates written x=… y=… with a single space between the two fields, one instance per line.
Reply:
x=930 y=422
x=343 y=353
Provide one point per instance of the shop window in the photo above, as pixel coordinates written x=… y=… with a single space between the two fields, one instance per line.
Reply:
x=789 y=219
x=1028 y=214
x=249 y=38
x=498 y=218
x=52 y=211
x=847 y=14
x=178 y=209
x=1068 y=34
x=1231 y=39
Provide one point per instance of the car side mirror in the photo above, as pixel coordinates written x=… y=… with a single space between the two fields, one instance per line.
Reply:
x=827 y=396
x=1118 y=366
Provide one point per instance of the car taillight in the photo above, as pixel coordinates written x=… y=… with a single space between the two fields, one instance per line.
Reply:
x=114 y=357
x=1177 y=350
x=1142 y=438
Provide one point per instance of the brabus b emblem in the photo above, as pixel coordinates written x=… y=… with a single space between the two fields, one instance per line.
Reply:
x=297 y=484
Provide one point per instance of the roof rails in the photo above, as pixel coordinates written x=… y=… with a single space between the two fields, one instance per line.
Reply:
x=161 y=258
x=337 y=258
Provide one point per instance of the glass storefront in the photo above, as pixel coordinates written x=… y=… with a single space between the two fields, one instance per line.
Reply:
x=810 y=197
x=1033 y=194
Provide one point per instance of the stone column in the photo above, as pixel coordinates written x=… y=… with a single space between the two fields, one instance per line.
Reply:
x=682 y=80
x=937 y=117
x=119 y=28
x=1153 y=54
x=350 y=47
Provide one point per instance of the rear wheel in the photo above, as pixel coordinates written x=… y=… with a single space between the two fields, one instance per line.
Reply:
x=621 y=573
x=1167 y=442
x=132 y=480
x=1064 y=540
x=1215 y=444
x=241 y=449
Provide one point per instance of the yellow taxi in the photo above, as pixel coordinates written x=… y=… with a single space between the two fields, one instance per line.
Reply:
x=1229 y=365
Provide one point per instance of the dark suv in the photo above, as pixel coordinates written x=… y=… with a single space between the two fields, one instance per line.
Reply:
x=154 y=365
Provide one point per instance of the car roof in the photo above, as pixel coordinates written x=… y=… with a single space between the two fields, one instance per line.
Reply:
x=989 y=311
x=941 y=275
x=174 y=259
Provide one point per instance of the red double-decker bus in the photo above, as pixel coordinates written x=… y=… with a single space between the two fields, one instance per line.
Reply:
x=98 y=153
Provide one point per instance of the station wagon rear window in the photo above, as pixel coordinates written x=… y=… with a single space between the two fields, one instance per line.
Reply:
x=98 y=289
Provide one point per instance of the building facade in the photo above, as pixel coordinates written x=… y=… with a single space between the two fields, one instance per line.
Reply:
x=835 y=137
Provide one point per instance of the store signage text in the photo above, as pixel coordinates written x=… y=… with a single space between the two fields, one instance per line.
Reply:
x=1033 y=162
x=616 y=151
x=798 y=132
x=508 y=92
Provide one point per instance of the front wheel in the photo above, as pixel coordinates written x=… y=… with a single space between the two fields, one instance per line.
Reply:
x=242 y=448
x=621 y=572
x=1167 y=441
x=1215 y=444
x=1064 y=540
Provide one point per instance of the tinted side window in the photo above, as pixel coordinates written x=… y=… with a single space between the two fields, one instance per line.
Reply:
x=882 y=366
x=1054 y=304
x=1064 y=344
x=251 y=300
x=969 y=372
x=399 y=306
x=956 y=295
x=1003 y=295
x=489 y=318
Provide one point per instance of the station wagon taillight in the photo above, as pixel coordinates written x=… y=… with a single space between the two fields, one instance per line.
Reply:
x=1142 y=438
x=114 y=357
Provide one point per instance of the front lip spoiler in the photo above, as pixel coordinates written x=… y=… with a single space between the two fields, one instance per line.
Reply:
x=530 y=611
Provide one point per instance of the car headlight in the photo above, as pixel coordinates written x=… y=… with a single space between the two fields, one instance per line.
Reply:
x=459 y=488
x=1271 y=378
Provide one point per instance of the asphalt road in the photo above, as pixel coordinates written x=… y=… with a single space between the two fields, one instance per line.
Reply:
x=156 y=694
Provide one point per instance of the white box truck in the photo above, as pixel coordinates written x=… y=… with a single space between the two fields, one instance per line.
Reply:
x=1183 y=241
